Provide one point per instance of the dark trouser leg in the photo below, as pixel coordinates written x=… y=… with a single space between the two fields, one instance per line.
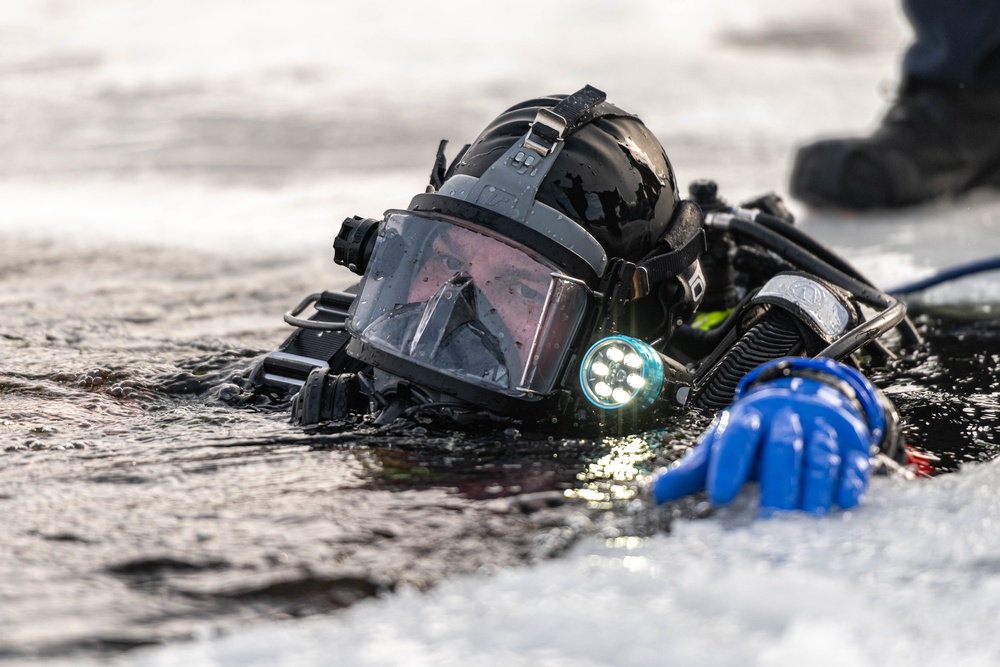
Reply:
x=957 y=41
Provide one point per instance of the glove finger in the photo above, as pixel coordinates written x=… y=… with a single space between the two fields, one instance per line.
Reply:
x=734 y=448
x=822 y=468
x=781 y=463
x=685 y=478
x=854 y=479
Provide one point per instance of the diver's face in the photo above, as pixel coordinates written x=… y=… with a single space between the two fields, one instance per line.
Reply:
x=514 y=284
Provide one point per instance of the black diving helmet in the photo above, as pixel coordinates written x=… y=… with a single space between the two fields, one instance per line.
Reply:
x=559 y=226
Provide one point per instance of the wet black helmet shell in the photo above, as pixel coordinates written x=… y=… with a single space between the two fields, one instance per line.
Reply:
x=612 y=176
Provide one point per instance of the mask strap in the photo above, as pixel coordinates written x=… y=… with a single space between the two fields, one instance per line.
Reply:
x=510 y=185
x=551 y=123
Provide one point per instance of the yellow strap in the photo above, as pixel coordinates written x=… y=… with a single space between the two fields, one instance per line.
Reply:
x=708 y=321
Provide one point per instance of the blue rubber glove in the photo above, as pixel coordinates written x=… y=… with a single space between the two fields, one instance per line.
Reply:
x=806 y=429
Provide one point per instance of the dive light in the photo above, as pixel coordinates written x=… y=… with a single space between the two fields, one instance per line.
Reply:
x=620 y=371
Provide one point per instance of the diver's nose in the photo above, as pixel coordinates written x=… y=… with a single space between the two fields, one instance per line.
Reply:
x=457 y=281
x=459 y=289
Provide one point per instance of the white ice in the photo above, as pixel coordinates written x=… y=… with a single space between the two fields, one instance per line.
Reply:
x=911 y=579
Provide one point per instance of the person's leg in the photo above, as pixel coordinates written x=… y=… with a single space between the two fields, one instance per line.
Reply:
x=942 y=135
x=957 y=41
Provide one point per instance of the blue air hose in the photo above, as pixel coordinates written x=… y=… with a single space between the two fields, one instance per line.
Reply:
x=947 y=275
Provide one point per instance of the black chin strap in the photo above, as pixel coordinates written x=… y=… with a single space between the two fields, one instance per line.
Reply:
x=687 y=242
x=671 y=264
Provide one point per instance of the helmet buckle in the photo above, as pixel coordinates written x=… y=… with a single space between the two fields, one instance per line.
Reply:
x=632 y=281
x=640 y=282
x=547 y=128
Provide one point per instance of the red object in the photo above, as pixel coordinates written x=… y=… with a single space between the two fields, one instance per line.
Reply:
x=922 y=463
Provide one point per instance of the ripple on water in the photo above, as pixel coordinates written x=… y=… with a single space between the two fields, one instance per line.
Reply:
x=144 y=495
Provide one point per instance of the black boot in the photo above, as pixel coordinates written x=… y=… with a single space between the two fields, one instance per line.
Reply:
x=935 y=141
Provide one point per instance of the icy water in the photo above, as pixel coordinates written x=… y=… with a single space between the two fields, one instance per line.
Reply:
x=171 y=178
x=140 y=505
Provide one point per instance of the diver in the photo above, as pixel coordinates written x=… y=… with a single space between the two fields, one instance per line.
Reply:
x=553 y=276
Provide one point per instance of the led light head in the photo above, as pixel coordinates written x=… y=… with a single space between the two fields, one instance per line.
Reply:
x=618 y=371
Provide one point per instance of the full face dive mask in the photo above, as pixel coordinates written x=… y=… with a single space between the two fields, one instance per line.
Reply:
x=483 y=293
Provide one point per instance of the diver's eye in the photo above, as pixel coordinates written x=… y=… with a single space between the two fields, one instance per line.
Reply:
x=452 y=263
x=525 y=292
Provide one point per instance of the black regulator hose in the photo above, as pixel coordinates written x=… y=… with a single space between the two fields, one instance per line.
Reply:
x=811 y=245
x=893 y=311
x=802 y=239
x=801 y=258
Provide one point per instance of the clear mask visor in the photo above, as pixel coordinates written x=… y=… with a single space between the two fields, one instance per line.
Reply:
x=464 y=302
